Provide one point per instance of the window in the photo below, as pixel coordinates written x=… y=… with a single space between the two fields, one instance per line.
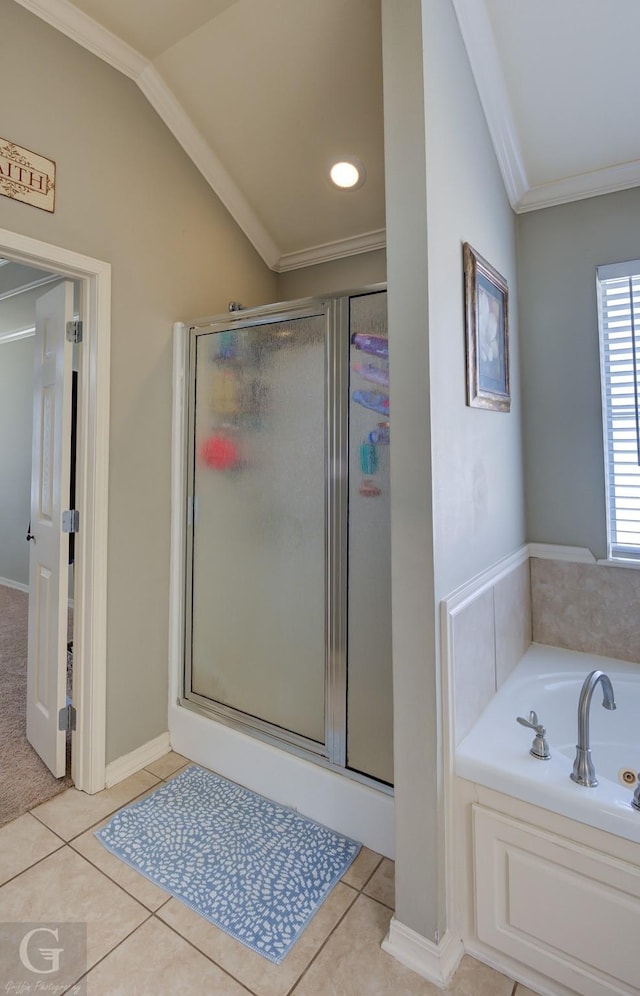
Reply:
x=619 y=315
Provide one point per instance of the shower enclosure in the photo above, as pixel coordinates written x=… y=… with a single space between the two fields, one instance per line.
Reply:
x=287 y=574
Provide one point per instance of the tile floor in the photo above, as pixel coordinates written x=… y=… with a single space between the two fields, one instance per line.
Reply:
x=142 y=941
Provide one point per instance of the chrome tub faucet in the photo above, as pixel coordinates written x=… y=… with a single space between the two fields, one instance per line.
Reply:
x=583 y=770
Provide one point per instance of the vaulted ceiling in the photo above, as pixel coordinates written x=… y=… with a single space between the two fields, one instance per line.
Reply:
x=558 y=84
x=263 y=94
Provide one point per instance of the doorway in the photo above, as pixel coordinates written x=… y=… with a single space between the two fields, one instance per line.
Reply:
x=30 y=774
x=90 y=556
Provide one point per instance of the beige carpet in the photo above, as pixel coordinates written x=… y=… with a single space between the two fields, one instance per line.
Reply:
x=25 y=781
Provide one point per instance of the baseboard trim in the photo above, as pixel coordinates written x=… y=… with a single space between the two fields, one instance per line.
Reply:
x=14 y=584
x=127 y=765
x=435 y=962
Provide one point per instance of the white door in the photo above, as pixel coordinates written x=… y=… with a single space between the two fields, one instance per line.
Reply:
x=49 y=546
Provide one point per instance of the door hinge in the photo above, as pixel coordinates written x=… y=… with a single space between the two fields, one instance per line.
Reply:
x=67 y=718
x=74 y=331
x=71 y=521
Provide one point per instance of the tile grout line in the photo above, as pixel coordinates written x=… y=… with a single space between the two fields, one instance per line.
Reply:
x=152 y=914
x=69 y=843
x=324 y=943
x=136 y=899
x=200 y=951
x=118 y=884
x=106 y=816
x=358 y=892
x=33 y=864
x=107 y=953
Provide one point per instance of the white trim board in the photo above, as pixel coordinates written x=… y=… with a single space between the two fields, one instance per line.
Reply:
x=435 y=962
x=477 y=34
x=14 y=336
x=332 y=250
x=116 y=771
x=450 y=607
x=17 y=585
x=33 y=285
x=479 y=41
x=83 y=29
x=90 y=622
x=552 y=551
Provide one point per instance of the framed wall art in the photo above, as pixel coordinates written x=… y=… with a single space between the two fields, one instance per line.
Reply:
x=487 y=333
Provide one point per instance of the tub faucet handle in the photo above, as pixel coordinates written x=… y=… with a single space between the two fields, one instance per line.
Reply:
x=532 y=722
x=540 y=746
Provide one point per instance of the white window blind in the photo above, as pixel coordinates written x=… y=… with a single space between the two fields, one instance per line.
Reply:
x=619 y=305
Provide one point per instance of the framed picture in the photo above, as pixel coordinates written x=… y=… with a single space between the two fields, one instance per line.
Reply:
x=487 y=333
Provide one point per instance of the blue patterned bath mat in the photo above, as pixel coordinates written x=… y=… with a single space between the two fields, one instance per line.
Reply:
x=256 y=869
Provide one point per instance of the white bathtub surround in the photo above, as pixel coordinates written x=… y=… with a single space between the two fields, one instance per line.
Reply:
x=550 y=902
x=548 y=680
x=548 y=872
x=592 y=608
x=486 y=628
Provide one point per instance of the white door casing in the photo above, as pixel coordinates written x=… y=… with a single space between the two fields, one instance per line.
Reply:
x=92 y=492
x=49 y=546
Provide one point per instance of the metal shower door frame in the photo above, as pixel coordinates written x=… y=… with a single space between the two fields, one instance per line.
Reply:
x=332 y=751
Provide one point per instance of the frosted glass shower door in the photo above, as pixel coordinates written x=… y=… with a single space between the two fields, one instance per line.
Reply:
x=257 y=473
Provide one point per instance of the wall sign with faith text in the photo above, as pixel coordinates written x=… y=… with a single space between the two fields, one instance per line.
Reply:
x=26 y=176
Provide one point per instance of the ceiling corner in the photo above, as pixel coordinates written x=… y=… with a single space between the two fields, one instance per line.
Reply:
x=367 y=242
x=575 y=188
x=164 y=102
x=479 y=41
x=81 y=28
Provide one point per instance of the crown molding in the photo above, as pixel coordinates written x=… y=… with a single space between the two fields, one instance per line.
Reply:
x=576 y=188
x=353 y=246
x=62 y=15
x=81 y=28
x=84 y=30
x=163 y=100
x=479 y=41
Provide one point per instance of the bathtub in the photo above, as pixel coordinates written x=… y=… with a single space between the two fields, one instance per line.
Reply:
x=548 y=680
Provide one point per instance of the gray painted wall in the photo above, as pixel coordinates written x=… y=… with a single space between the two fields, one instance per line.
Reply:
x=479 y=512
x=478 y=495
x=559 y=249
x=16 y=415
x=415 y=744
x=127 y=193
x=350 y=273
x=457 y=502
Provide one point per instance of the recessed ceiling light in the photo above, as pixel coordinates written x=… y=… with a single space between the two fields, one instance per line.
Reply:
x=348 y=173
